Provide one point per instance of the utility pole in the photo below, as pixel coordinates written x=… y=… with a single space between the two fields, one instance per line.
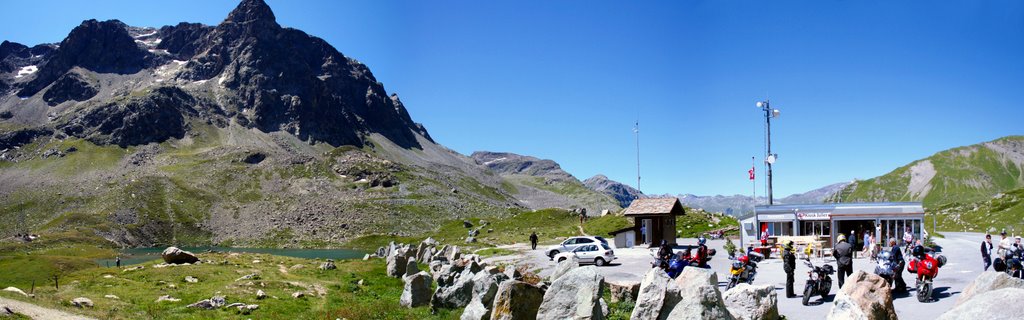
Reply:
x=770 y=157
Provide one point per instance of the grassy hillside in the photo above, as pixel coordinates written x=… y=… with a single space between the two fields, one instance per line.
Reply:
x=233 y=187
x=957 y=183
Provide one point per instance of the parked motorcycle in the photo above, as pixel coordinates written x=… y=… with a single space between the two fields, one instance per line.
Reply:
x=885 y=268
x=819 y=281
x=742 y=270
x=926 y=266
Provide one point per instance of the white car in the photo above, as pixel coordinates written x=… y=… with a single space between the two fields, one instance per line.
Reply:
x=599 y=254
x=571 y=244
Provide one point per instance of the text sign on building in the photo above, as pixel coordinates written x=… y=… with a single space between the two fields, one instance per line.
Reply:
x=813 y=215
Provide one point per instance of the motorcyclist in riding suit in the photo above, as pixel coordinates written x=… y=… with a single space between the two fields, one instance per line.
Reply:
x=665 y=251
x=789 y=265
x=700 y=260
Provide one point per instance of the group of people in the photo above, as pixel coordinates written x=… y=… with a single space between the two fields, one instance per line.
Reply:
x=700 y=260
x=1009 y=255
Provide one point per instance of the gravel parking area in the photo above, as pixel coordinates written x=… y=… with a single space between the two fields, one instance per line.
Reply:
x=964 y=264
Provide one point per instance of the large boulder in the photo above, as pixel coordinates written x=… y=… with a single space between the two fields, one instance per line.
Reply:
x=417 y=290
x=411 y=267
x=865 y=296
x=173 y=255
x=563 y=267
x=749 y=302
x=455 y=293
x=624 y=291
x=695 y=295
x=485 y=286
x=989 y=281
x=396 y=263
x=650 y=299
x=516 y=300
x=574 y=295
x=996 y=304
x=82 y=302
x=328 y=265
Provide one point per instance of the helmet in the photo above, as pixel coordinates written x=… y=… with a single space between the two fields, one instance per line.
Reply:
x=841 y=237
x=701 y=240
x=789 y=245
x=744 y=259
x=918 y=251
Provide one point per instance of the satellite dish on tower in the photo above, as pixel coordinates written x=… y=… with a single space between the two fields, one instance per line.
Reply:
x=771 y=158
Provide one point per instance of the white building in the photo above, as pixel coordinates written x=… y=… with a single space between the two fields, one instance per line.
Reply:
x=825 y=221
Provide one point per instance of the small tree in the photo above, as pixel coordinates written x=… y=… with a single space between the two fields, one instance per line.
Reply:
x=729 y=247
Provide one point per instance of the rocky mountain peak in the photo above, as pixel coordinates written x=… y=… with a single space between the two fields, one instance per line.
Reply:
x=622 y=193
x=100 y=46
x=252 y=11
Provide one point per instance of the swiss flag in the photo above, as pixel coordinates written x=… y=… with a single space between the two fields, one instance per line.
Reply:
x=751 y=172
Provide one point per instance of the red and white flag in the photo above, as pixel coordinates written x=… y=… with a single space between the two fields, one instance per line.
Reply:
x=751 y=172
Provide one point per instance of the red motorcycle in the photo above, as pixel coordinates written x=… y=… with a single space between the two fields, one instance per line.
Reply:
x=926 y=266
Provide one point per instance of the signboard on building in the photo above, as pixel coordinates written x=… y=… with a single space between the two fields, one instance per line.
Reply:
x=820 y=215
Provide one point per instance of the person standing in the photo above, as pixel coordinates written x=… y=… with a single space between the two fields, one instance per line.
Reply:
x=897 y=263
x=117 y=261
x=843 y=253
x=643 y=234
x=986 y=252
x=908 y=239
x=1004 y=244
x=789 y=265
x=533 y=241
x=867 y=243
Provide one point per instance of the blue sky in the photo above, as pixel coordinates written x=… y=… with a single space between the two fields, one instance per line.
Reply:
x=863 y=86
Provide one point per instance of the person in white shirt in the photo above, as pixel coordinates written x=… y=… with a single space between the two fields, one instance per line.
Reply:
x=1004 y=244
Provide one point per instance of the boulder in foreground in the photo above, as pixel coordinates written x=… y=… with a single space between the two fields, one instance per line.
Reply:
x=865 y=296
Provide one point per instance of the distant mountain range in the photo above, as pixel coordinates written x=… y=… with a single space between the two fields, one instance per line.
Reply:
x=739 y=205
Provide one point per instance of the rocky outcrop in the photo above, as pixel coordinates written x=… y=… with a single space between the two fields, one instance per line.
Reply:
x=209 y=304
x=81 y=302
x=864 y=297
x=104 y=47
x=155 y=116
x=750 y=302
x=289 y=81
x=624 y=291
x=989 y=281
x=574 y=295
x=564 y=267
x=622 y=193
x=417 y=290
x=71 y=86
x=453 y=293
x=516 y=300
x=173 y=255
x=650 y=301
x=328 y=265
x=999 y=304
x=485 y=286
x=396 y=263
x=695 y=295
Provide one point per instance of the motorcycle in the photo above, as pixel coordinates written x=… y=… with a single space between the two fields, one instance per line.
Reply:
x=742 y=270
x=926 y=267
x=672 y=266
x=819 y=281
x=885 y=268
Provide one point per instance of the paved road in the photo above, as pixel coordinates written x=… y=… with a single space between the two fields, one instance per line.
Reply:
x=37 y=312
x=964 y=263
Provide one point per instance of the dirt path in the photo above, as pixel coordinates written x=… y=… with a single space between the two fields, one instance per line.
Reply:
x=37 y=312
